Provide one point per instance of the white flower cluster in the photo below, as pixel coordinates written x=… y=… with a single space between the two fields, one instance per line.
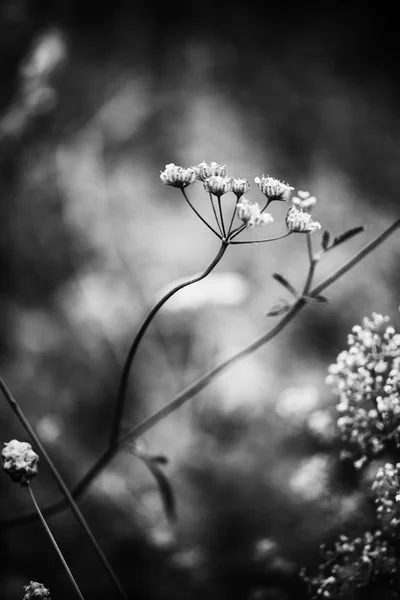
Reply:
x=36 y=590
x=273 y=189
x=20 y=462
x=299 y=221
x=251 y=215
x=304 y=200
x=367 y=379
x=387 y=489
x=178 y=177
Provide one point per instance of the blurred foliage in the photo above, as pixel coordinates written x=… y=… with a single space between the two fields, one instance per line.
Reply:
x=94 y=101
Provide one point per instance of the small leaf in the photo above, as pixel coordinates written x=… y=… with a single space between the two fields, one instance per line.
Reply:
x=283 y=281
x=164 y=486
x=326 y=236
x=347 y=235
x=278 y=309
x=316 y=299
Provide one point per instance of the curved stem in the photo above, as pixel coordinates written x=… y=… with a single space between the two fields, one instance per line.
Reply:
x=121 y=397
x=69 y=500
x=53 y=541
x=280 y=237
x=198 y=214
x=203 y=381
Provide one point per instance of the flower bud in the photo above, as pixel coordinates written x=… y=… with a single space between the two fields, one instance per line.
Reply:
x=205 y=170
x=20 y=461
x=251 y=214
x=36 y=590
x=300 y=222
x=273 y=189
x=240 y=186
x=178 y=177
x=304 y=200
x=218 y=185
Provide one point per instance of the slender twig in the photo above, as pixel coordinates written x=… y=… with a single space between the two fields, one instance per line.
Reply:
x=280 y=237
x=313 y=260
x=53 y=541
x=221 y=216
x=203 y=381
x=69 y=500
x=198 y=214
x=121 y=397
x=215 y=214
x=233 y=218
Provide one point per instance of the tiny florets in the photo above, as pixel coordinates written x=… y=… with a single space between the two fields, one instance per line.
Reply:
x=251 y=215
x=178 y=177
x=20 y=462
x=366 y=377
x=304 y=200
x=218 y=185
x=205 y=170
x=240 y=186
x=36 y=590
x=299 y=221
x=273 y=189
x=387 y=490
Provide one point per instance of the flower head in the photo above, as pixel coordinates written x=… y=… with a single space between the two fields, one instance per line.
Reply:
x=205 y=170
x=273 y=189
x=251 y=215
x=299 y=221
x=20 y=461
x=36 y=590
x=178 y=177
x=304 y=200
x=218 y=185
x=240 y=186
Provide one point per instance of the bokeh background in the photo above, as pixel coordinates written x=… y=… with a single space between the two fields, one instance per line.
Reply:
x=94 y=101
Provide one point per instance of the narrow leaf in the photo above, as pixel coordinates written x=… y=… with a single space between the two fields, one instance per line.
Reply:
x=283 y=281
x=347 y=235
x=326 y=236
x=164 y=486
x=317 y=299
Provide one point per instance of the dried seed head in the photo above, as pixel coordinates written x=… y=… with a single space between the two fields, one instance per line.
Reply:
x=273 y=189
x=240 y=186
x=300 y=222
x=251 y=214
x=218 y=185
x=20 y=461
x=178 y=177
x=205 y=170
x=36 y=590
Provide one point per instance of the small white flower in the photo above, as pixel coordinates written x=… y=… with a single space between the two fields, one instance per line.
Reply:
x=273 y=189
x=240 y=186
x=20 y=461
x=218 y=185
x=304 y=200
x=300 y=222
x=251 y=214
x=36 y=590
x=178 y=177
x=205 y=170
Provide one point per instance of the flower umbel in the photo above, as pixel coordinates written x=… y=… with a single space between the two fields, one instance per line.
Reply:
x=251 y=215
x=20 y=462
x=218 y=185
x=299 y=221
x=36 y=590
x=205 y=170
x=273 y=189
x=240 y=186
x=304 y=200
x=178 y=177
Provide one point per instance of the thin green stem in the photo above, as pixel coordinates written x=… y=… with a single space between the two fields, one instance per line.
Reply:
x=236 y=232
x=199 y=215
x=123 y=386
x=69 y=500
x=221 y=215
x=203 y=381
x=233 y=218
x=280 y=237
x=53 y=541
x=313 y=260
x=215 y=214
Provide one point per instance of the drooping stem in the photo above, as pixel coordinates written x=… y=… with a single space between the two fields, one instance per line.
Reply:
x=123 y=386
x=53 y=541
x=203 y=381
x=69 y=500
